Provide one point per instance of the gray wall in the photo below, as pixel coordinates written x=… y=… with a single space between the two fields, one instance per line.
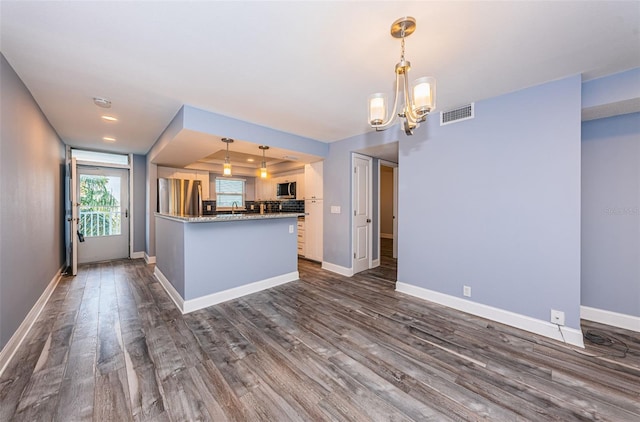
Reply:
x=200 y=259
x=494 y=203
x=32 y=208
x=139 y=171
x=611 y=214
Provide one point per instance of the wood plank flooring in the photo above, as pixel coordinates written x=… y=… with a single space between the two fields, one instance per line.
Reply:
x=111 y=346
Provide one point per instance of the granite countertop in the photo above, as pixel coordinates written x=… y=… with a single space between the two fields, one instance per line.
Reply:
x=228 y=217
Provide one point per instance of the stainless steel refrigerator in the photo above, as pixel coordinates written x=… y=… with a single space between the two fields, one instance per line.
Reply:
x=180 y=197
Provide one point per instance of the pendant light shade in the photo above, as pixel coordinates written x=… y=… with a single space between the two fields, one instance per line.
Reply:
x=227 y=163
x=263 y=166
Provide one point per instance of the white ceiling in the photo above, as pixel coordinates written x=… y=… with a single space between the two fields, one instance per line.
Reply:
x=301 y=67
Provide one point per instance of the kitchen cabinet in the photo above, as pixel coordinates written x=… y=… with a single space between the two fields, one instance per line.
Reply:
x=301 y=236
x=265 y=189
x=296 y=176
x=300 y=191
x=313 y=184
x=313 y=242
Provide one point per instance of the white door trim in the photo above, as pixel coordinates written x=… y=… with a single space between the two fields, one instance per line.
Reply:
x=108 y=247
x=74 y=216
x=395 y=202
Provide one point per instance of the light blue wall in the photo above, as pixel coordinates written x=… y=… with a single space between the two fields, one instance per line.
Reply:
x=222 y=256
x=200 y=259
x=215 y=124
x=611 y=214
x=139 y=171
x=31 y=206
x=494 y=203
x=614 y=88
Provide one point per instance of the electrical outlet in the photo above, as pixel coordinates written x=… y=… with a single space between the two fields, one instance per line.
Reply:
x=466 y=291
x=290 y=228
x=557 y=317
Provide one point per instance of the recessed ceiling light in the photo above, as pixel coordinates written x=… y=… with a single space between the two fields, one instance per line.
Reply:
x=108 y=139
x=251 y=160
x=109 y=118
x=102 y=102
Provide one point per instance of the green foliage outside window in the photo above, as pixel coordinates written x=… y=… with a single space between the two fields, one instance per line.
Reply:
x=99 y=209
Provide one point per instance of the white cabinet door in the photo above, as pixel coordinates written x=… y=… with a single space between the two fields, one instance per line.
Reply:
x=300 y=186
x=265 y=189
x=313 y=180
x=313 y=229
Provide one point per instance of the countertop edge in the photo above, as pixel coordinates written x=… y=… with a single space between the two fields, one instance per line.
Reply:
x=228 y=217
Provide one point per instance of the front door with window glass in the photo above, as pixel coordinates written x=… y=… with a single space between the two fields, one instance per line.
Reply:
x=103 y=214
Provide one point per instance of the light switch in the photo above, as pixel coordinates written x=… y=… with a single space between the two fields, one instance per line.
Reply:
x=335 y=209
x=290 y=228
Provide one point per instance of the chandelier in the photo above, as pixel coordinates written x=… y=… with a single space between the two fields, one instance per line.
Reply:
x=418 y=102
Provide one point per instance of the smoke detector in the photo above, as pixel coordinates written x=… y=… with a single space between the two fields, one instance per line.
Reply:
x=102 y=102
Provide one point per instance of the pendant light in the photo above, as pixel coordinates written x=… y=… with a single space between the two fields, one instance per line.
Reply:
x=263 y=166
x=227 y=163
x=419 y=101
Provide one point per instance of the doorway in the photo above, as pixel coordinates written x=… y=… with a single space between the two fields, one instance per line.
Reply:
x=362 y=244
x=102 y=214
x=382 y=247
x=388 y=205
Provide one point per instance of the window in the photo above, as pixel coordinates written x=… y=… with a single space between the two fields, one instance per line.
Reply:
x=228 y=192
x=100 y=157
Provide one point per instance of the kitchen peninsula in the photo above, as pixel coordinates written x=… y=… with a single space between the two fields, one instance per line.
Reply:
x=202 y=261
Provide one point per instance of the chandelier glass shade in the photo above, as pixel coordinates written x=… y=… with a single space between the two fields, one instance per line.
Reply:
x=417 y=100
x=226 y=167
x=263 y=165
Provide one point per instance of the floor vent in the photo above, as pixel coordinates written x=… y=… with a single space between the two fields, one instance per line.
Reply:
x=456 y=115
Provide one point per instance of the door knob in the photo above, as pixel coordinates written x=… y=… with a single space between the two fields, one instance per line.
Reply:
x=368 y=220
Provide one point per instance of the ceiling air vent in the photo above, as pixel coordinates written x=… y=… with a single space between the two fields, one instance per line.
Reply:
x=456 y=115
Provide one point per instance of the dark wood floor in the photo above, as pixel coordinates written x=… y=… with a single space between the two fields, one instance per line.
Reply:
x=110 y=346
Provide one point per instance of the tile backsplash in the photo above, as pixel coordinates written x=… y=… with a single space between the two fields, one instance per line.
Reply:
x=290 y=205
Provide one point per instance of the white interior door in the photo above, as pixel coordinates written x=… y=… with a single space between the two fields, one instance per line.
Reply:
x=362 y=204
x=102 y=213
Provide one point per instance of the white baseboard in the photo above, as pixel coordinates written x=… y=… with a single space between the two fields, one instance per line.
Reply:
x=386 y=236
x=236 y=292
x=168 y=287
x=571 y=335
x=628 y=322
x=137 y=255
x=191 y=305
x=149 y=259
x=348 y=272
x=18 y=337
x=375 y=263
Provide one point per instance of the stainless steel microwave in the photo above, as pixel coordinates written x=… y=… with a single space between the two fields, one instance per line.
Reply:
x=286 y=190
